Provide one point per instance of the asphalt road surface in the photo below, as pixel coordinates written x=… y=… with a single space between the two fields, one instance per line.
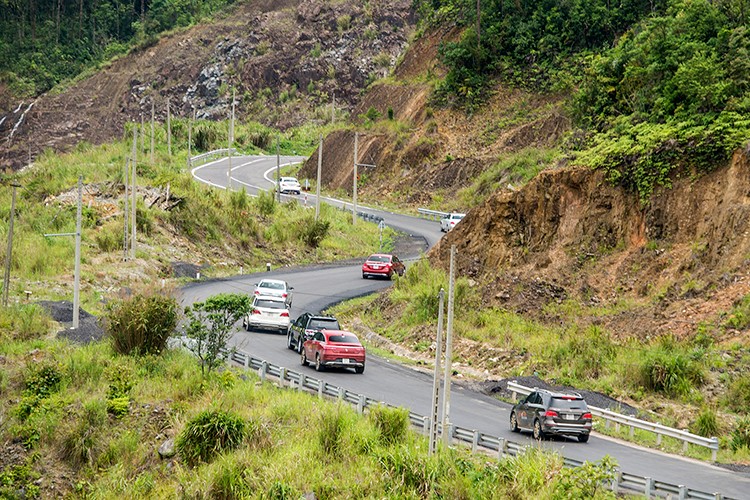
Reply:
x=318 y=287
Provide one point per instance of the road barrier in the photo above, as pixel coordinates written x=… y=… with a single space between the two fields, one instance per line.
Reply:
x=432 y=214
x=633 y=423
x=622 y=483
x=208 y=156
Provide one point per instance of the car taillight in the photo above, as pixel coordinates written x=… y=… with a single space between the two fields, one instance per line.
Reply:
x=283 y=295
x=255 y=311
x=586 y=416
x=257 y=292
x=285 y=314
x=309 y=332
x=551 y=413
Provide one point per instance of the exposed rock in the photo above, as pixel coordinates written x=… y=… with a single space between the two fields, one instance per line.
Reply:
x=167 y=449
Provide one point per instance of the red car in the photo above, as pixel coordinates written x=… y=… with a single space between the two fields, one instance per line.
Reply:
x=382 y=264
x=334 y=349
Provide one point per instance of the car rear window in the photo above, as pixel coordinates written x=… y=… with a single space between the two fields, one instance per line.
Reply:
x=343 y=339
x=569 y=404
x=270 y=304
x=330 y=324
x=378 y=258
x=272 y=286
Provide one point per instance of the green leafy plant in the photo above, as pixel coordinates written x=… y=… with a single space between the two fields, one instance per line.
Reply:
x=591 y=480
x=141 y=324
x=707 y=423
x=333 y=423
x=740 y=435
x=210 y=325
x=312 y=231
x=392 y=423
x=208 y=434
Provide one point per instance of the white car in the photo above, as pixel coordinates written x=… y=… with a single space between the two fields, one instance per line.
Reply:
x=274 y=288
x=447 y=223
x=289 y=185
x=268 y=313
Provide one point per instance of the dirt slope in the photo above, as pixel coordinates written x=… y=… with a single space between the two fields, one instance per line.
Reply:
x=285 y=58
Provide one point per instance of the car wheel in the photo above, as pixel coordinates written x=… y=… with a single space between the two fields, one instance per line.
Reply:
x=583 y=438
x=318 y=365
x=289 y=341
x=303 y=358
x=390 y=275
x=538 y=433
x=300 y=347
x=359 y=369
x=514 y=422
x=364 y=276
x=247 y=325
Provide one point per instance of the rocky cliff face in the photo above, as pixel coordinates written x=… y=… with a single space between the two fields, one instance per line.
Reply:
x=286 y=60
x=681 y=259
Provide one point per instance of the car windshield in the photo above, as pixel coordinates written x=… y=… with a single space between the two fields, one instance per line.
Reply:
x=458 y=217
x=330 y=324
x=270 y=304
x=272 y=285
x=378 y=258
x=569 y=404
x=343 y=339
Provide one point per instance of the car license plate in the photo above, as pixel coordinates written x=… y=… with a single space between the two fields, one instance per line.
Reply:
x=345 y=361
x=568 y=416
x=376 y=267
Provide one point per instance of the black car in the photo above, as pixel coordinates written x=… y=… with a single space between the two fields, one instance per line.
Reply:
x=546 y=413
x=305 y=326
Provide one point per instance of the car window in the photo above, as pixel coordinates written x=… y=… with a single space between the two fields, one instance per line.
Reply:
x=344 y=339
x=270 y=304
x=330 y=324
x=569 y=404
x=272 y=285
x=319 y=336
x=378 y=258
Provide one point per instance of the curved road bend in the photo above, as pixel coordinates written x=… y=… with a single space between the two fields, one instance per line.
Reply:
x=317 y=287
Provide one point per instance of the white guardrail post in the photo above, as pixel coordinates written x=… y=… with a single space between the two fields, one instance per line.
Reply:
x=432 y=214
x=636 y=423
x=622 y=483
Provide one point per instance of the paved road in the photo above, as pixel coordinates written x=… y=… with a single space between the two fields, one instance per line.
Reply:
x=318 y=287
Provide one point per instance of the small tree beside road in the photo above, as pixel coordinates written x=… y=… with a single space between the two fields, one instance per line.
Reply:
x=210 y=324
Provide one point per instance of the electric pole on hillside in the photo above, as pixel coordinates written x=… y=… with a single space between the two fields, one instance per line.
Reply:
x=169 y=131
x=317 y=183
x=126 y=210
x=354 y=179
x=231 y=141
x=278 y=171
x=143 y=137
x=448 y=353
x=436 y=378
x=153 y=117
x=190 y=138
x=77 y=272
x=333 y=108
x=9 y=253
x=133 y=240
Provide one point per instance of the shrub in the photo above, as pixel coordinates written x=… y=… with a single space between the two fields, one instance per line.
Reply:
x=42 y=380
x=738 y=395
x=82 y=444
x=229 y=481
x=707 y=424
x=528 y=472
x=281 y=491
x=740 y=435
x=672 y=372
x=118 y=406
x=412 y=469
x=109 y=237
x=266 y=203
x=24 y=322
x=332 y=427
x=141 y=324
x=209 y=433
x=392 y=423
x=587 y=481
x=312 y=231
x=586 y=353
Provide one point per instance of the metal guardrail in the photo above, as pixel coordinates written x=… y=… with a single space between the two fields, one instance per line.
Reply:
x=208 y=156
x=635 y=423
x=623 y=482
x=432 y=214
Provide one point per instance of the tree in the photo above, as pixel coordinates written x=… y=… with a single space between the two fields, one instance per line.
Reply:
x=210 y=325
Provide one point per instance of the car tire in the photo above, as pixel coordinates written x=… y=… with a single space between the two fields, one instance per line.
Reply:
x=318 y=365
x=364 y=276
x=390 y=275
x=583 y=438
x=303 y=358
x=514 y=422
x=359 y=369
x=537 y=432
x=289 y=341
x=247 y=325
x=300 y=347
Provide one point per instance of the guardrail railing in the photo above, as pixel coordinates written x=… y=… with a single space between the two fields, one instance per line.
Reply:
x=208 y=156
x=623 y=482
x=635 y=423
x=432 y=214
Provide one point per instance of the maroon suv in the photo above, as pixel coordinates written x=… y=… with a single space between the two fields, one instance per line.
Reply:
x=383 y=265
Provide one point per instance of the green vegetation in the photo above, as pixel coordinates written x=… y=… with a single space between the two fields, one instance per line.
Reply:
x=142 y=323
x=45 y=42
x=234 y=438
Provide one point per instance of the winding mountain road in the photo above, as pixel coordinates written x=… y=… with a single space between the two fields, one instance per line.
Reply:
x=318 y=287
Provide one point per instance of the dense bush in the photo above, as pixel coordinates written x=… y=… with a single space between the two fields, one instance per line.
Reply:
x=741 y=435
x=707 y=423
x=670 y=370
x=208 y=434
x=392 y=423
x=312 y=231
x=141 y=324
x=737 y=397
x=586 y=354
x=331 y=430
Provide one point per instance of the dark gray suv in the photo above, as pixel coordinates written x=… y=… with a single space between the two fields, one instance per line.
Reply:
x=305 y=326
x=546 y=413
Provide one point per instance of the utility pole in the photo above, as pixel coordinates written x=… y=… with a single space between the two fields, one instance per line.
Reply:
x=354 y=180
x=143 y=137
x=125 y=210
x=133 y=204
x=436 y=377
x=77 y=272
x=278 y=171
x=9 y=253
x=317 y=186
x=448 y=353
x=231 y=140
x=333 y=108
x=190 y=138
x=153 y=115
x=169 y=131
